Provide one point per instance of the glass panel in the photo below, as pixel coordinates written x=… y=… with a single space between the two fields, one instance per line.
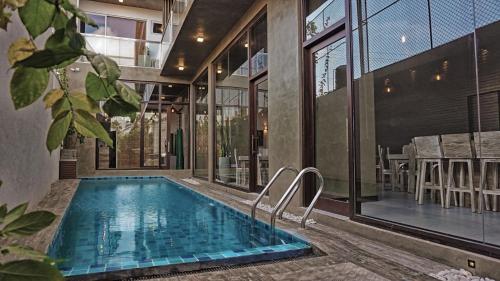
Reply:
x=415 y=92
x=128 y=28
x=321 y=14
x=232 y=123
x=151 y=125
x=488 y=58
x=201 y=127
x=331 y=146
x=258 y=44
x=99 y=30
x=175 y=136
x=128 y=143
x=262 y=133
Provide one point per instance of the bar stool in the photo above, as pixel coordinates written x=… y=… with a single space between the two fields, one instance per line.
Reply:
x=430 y=155
x=458 y=149
x=487 y=146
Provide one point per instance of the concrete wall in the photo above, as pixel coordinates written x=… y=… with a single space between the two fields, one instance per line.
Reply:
x=26 y=167
x=285 y=96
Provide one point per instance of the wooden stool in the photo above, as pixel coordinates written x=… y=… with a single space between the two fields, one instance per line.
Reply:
x=458 y=149
x=487 y=146
x=430 y=156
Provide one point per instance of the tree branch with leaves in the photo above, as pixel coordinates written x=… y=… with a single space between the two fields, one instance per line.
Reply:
x=70 y=110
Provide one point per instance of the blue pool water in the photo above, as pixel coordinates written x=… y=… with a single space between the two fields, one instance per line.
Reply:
x=125 y=223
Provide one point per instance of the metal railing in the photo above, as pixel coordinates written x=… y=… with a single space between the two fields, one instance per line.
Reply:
x=177 y=13
x=268 y=186
x=126 y=51
x=290 y=192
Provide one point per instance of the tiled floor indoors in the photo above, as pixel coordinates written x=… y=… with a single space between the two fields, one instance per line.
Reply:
x=346 y=256
x=459 y=221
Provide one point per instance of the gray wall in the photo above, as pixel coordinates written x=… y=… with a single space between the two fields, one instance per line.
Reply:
x=26 y=167
x=284 y=92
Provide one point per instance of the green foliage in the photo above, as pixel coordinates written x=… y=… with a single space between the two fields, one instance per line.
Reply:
x=28 y=224
x=37 y=16
x=33 y=66
x=27 y=85
x=29 y=270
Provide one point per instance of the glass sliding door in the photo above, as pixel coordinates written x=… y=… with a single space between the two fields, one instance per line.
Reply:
x=200 y=165
x=260 y=135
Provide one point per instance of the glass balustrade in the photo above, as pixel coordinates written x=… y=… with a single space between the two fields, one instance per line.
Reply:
x=126 y=51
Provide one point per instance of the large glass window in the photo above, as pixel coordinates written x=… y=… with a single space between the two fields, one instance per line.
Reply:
x=201 y=127
x=422 y=154
x=232 y=115
x=258 y=45
x=321 y=14
x=156 y=137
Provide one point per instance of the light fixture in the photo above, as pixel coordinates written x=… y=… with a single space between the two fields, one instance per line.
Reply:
x=403 y=39
x=219 y=71
x=121 y=1
x=170 y=85
x=246 y=45
x=388 y=90
x=438 y=77
x=200 y=39
x=172 y=110
x=181 y=68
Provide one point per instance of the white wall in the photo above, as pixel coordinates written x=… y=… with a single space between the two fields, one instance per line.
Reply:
x=125 y=12
x=26 y=167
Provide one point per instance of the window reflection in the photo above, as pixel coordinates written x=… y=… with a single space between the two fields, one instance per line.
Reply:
x=201 y=127
x=418 y=111
x=321 y=14
x=258 y=37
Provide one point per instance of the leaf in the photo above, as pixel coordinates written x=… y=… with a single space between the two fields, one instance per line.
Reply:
x=29 y=270
x=27 y=85
x=60 y=20
x=105 y=67
x=20 y=50
x=52 y=96
x=29 y=223
x=78 y=13
x=50 y=57
x=4 y=18
x=15 y=213
x=128 y=94
x=97 y=88
x=58 y=130
x=15 y=4
x=60 y=107
x=3 y=212
x=37 y=16
x=88 y=126
x=117 y=107
x=82 y=101
x=22 y=251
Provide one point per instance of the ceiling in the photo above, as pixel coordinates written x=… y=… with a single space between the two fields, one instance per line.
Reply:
x=145 y=4
x=211 y=18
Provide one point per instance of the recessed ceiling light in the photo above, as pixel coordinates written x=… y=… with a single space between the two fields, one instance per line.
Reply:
x=181 y=68
x=200 y=39
x=121 y=1
x=170 y=86
x=219 y=71
x=246 y=45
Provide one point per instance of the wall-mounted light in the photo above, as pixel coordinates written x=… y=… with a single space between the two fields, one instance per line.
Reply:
x=438 y=77
x=181 y=68
x=246 y=45
x=388 y=88
x=219 y=71
x=170 y=85
x=200 y=39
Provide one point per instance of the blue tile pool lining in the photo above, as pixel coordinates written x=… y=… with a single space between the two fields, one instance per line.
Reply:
x=301 y=243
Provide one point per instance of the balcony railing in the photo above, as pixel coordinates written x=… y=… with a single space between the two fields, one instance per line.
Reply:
x=127 y=51
x=177 y=13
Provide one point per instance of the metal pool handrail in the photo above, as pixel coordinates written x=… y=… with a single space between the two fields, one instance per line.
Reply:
x=264 y=191
x=290 y=192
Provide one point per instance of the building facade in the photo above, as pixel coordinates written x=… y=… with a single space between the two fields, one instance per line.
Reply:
x=395 y=102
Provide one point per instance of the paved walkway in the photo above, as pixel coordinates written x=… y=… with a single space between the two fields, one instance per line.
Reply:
x=345 y=256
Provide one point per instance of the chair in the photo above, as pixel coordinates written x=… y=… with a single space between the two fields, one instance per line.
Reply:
x=241 y=171
x=430 y=155
x=458 y=150
x=487 y=146
x=383 y=172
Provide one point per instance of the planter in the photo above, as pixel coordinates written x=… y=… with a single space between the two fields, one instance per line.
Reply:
x=224 y=169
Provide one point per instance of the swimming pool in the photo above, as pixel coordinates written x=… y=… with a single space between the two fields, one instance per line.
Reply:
x=130 y=223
